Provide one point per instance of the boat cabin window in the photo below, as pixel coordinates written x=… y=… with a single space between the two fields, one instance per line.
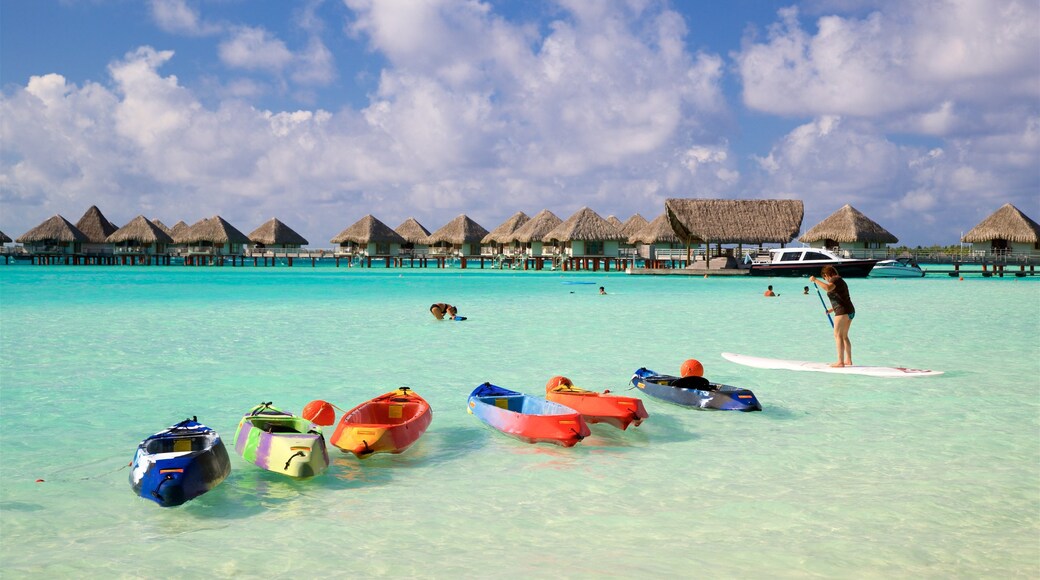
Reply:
x=790 y=256
x=816 y=256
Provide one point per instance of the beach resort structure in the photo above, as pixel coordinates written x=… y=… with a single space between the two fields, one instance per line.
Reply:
x=368 y=239
x=585 y=240
x=690 y=235
x=140 y=242
x=731 y=221
x=848 y=229
x=1005 y=231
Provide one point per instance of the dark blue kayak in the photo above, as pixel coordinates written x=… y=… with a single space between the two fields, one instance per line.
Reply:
x=179 y=464
x=695 y=392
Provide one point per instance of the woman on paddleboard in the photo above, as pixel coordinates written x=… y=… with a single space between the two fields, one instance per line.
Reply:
x=841 y=305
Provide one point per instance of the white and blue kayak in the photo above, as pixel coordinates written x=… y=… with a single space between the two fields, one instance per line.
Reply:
x=821 y=367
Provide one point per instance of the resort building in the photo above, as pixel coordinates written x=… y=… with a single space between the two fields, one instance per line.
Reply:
x=97 y=228
x=632 y=226
x=529 y=236
x=585 y=240
x=848 y=229
x=461 y=236
x=4 y=239
x=211 y=238
x=415 y=237
x=500 y=241
x=274 y=237
x=1006 y=232
x=614 y=221
x=657 y=242
x=162 y=227
x=369 y=238
x=732 y=221
x=55 y=237
x=140 y=241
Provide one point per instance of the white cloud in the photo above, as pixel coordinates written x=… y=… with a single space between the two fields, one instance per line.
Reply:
x=176 y=16
x=253 y=48
x=908 y=59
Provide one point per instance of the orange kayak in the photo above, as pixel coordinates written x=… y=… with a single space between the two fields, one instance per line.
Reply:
x=389 y=423
x=598 y=407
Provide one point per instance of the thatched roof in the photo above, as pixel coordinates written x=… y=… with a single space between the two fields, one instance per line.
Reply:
x=614 y=221
x=848 y=225
x=1007 y=223
x=658 y=231
x=3 y=238
x=179 y=230
x=369 y=230
x=162 y=227
x=536 y=228
x=274 y=232
x=94 y=225
x=735 y=221
x=633 y=226
x=585 y=224
x=142 y=231
x=460 y=230
x=55 y=229
x=214 y=230
x=503 y=234
x=412 y=231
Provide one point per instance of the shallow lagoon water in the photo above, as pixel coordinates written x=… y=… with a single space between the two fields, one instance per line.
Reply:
x=839 y=476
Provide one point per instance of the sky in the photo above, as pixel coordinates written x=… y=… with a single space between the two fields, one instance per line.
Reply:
x=924 y=115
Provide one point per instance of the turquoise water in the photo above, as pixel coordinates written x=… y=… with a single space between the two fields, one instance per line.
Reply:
x=839 y=476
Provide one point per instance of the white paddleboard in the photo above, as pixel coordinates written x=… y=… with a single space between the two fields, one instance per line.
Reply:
x=820 y=367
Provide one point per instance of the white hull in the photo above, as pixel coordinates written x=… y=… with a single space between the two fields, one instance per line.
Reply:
x=797 y=365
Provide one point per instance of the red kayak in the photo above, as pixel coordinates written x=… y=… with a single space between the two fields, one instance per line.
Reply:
x=596 y=407
x=389 y=423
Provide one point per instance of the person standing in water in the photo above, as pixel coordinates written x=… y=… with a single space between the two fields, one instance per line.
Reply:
x=769 y=292
x=440 y=309
x=841 y=305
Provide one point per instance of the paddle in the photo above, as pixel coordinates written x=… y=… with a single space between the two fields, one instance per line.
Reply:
x=827 y=312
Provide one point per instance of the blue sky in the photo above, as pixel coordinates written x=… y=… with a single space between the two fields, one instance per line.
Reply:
x=923 y=115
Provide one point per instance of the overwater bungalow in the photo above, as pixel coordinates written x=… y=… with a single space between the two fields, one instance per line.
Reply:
x=614 y=221
x=369 y=238
x=500 y=240
x=585 y=240
x=631 y=227
x=274 y=237
x=733 y=221
x=210 y=240
x=162 y=226
x=1006 y=232
x=54 y=237
x=658 y=242
x=461 y=236
x=140 y=241
x=415 y=236
x=4 y=239
x=848 y=229
x=529 y=236
x=97 y=228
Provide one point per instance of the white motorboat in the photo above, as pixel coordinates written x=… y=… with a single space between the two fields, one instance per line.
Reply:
x=900 y=268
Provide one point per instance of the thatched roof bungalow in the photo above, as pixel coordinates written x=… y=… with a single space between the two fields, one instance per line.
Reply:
x=656 y=235
x=503 y=234
x=585 y=233
x=614 y=221
x=370 y=236
x=158 y=223
x=275 y=235
x=4 y=239
x=97 y=228
x=735 y=221
x=54 y=236
x=415 y=236
x=631 y=227
x=531 y=233
x=850 y=229
x=140 y=236
x=212 y=235
x=1006 y=230
x=461 y=234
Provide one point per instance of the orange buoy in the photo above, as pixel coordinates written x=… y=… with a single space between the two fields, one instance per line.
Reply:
x=692 y=368
x=558 y=381
x=320 y=413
